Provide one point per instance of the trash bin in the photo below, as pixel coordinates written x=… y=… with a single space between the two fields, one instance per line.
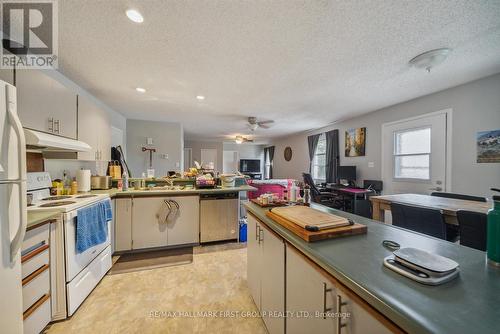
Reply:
x=243 y=231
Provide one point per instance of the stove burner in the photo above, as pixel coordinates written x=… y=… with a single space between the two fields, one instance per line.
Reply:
x=54 y=204
x=55 y=198
x=86 y=196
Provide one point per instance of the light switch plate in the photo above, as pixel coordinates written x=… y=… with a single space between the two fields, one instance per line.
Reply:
x=150 y=141
x=164 y=156
x=177 y=164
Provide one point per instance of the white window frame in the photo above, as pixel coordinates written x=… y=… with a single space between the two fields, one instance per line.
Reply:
x=395 y=155
x=319 y=180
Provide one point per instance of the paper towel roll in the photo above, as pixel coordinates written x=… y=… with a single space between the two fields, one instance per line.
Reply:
x=83 y=179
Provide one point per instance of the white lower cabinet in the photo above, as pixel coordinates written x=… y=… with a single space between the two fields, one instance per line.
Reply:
x=266 y=274
x=315 y=301
x=123 y=224
x=148 y=231
x=310 y=297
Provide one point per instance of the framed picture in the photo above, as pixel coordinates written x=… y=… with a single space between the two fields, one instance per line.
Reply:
x=288 y=153
x=355 y=142
x=488 y=146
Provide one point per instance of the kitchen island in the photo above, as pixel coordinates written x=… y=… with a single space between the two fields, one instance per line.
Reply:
x=468 y=304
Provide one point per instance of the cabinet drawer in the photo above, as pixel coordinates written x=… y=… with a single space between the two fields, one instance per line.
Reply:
x=36 y=286
x=83 y=283
x=35 y=238
x=34 y=260
x=37 y=317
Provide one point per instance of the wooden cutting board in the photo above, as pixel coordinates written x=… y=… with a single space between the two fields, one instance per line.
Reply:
x=272 y=205
x=311 y=216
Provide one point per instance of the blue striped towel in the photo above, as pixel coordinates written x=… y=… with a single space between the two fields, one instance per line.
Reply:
x=91 y=225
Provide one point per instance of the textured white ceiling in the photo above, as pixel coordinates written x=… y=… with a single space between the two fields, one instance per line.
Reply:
x=302 y=63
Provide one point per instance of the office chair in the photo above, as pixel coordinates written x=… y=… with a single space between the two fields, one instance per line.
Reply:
x=473 y=229
x=375 y=185
x=329 y=199
x=459 y=196
x=423 y=220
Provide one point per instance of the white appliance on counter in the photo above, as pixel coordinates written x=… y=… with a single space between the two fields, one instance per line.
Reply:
x=13 y=216
x=82 y=271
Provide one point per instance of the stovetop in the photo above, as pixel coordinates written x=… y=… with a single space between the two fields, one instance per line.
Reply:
x=39 y=188
x=66 y=203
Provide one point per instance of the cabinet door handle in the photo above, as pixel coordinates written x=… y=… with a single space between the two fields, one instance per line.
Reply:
x=51 y=125
x=58 y=124
x=257 y=233
x=261 y=235
x=325 y=291
x=340 y=303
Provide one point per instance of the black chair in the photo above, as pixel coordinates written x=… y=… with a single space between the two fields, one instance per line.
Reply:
x=459 y=196
x=472 y=227
x=364 y=208
x=423 y=220
x=330 y=199
x=375 y=185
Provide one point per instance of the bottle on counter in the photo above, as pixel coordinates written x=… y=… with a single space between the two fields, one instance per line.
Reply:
x=493 y=232
x=285 y=195
x=74 y=187
x=307 y=195
x=125 y=181
x=293 y=192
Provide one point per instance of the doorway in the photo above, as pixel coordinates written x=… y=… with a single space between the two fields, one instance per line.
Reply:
x=416 y=154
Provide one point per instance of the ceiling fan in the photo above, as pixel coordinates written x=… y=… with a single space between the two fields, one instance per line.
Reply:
x=241 y=140
x=253 y=124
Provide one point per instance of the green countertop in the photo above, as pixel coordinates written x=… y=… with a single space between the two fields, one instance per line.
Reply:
x=36 y=217
x=468 y=304
x=155 y=192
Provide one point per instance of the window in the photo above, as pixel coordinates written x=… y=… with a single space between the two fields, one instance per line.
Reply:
x=412 y=154
x=318 y=167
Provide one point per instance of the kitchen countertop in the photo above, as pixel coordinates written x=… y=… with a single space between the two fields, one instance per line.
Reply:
x=468 y=304
x=118 y=193
x=36 y=217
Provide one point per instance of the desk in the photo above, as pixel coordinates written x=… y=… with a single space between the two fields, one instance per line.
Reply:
x=449 y=206
x=353 y=192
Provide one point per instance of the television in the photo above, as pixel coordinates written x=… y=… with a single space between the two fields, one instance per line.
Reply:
x=250 y=165
x=346 y=173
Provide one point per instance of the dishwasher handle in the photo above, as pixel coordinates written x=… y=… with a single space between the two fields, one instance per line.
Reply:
x=231 y=195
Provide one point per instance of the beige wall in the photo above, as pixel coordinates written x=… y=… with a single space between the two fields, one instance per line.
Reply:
x=167 y=139
x=476 y=107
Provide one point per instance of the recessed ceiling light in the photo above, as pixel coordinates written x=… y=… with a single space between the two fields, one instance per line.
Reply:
x=200 y=97
x=140 y=90
x=134 y=15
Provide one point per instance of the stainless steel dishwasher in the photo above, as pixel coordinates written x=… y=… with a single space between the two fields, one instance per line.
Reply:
x=219 y=216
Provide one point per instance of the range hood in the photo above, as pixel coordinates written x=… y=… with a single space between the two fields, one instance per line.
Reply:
x=47 y=142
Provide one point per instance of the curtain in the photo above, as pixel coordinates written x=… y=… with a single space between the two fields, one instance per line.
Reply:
x=312 y=142
x=271 y=158
x=332 y=155
x=266 y=151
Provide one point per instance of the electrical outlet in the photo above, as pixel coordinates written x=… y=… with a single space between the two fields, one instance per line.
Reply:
x=177 y=164
x=164 y=156
x=371 y=164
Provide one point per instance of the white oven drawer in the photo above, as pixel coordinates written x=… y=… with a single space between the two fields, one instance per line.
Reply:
x=35 y=238
x=34 y=260
x=75 y=263
x=35 y=287
x=81 y=286
x=37 y=318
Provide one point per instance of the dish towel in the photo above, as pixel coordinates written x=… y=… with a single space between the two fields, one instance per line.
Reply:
x=91 y=225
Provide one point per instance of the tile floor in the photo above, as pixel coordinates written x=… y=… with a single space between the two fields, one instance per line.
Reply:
x=139 y=302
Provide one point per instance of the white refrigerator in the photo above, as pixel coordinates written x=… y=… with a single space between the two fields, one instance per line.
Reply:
x=13 y=212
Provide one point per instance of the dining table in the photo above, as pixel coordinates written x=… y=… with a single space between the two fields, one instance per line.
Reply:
x=449 y=206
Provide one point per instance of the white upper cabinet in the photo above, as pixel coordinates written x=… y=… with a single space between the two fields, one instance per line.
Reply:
x=45 y=105
x=94 y=128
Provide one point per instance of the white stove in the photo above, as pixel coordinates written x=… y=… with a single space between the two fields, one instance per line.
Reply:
x=79 y=273
x=38 y=185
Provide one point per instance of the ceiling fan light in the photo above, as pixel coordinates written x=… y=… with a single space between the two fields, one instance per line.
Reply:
x=430 y=59
x=239 y=140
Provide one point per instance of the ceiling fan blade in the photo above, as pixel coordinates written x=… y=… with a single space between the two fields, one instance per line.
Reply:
x=264 y=126
x=266 y=122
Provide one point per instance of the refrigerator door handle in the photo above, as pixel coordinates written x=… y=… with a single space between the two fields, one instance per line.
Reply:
x=16 y=243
